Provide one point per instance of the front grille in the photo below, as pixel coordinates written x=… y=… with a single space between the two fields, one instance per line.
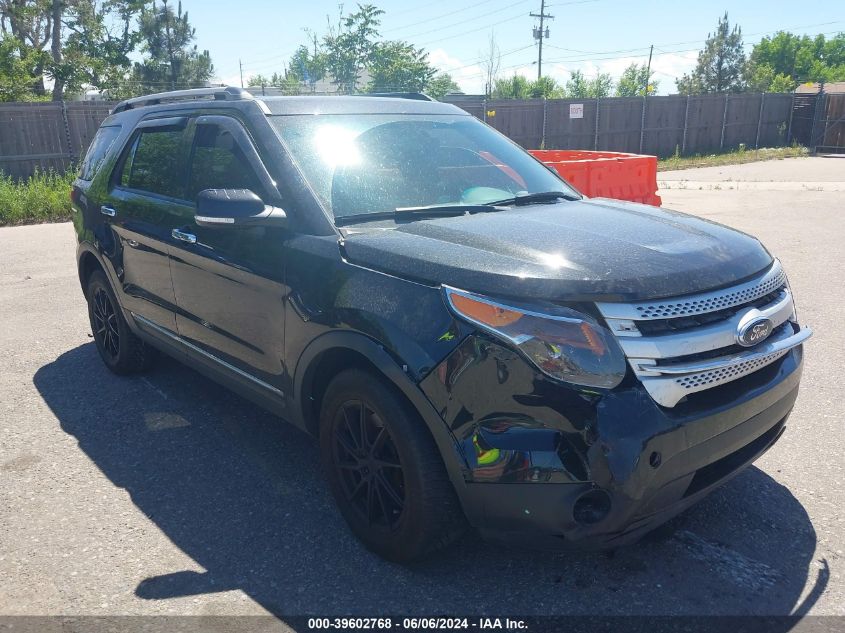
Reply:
x=714 y=377
x=715 y=301
x=666 y=326
x=685 y=345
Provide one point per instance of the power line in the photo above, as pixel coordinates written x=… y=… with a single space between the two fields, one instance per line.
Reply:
x=481 y=28
x=479 y=59
x=441 y=28
x=440 y=16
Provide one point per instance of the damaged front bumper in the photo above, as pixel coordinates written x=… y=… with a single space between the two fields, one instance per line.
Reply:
x=553 y=465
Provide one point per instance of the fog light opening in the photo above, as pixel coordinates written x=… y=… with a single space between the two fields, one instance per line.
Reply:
x=591 y=507
x=655 y=459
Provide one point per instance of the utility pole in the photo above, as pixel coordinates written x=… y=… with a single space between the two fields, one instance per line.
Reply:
x=241 y=65
x=648 y=70
x=541 y=33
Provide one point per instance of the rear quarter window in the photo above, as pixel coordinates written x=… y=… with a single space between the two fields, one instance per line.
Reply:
x=98 y=151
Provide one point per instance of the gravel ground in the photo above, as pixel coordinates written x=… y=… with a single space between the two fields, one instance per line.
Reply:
x=164 y=494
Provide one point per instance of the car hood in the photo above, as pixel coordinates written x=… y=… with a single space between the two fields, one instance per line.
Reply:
x=596 y=249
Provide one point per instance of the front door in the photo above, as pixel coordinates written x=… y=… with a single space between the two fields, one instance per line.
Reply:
x=228 y=281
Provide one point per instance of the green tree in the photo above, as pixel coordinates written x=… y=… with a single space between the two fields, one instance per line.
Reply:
x=601 y=86
x=256 y=81
x=799 y=58
x=172 y=61
x=75 y=42
x=29 y=23
x=399 y=66
x=308 y=65
x=99 y=38
x=351 y=46
x=636 y=81
x=579 y=87
x=515 y=87
x=721 y=63
x=441 y=85
x=782 y=83
x=545 y=88
x=15 y=72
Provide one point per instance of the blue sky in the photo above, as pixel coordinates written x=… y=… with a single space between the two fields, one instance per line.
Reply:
x=589 y=35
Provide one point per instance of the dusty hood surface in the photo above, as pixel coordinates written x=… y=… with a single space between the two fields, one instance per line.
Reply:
x=584 y=250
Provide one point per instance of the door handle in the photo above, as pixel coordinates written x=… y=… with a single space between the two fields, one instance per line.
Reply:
x=109 y=211
x=182 y=236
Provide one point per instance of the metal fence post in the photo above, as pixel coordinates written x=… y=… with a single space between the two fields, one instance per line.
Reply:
x=816 y=109
x=484 y=110
x=543 y=136
x=596 y=137
x=642 y=125
x=724 y=123
x=791 y=115
x=759 y=120
x=686 y=121
x=67 y=132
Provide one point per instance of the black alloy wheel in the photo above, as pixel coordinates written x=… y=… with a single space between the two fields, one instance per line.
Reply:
x=368 y=464
x=384 y=469
x=119 y=348
x=105 y=323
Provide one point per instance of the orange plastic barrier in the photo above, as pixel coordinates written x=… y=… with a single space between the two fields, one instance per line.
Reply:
x=606 y=174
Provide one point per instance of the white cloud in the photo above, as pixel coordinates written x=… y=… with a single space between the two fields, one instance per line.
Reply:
x=469 y=76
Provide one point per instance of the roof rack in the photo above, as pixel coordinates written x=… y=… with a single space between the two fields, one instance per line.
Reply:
x=416 y=96
x=221 y=93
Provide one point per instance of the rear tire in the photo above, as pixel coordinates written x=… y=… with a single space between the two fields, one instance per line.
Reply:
x=121 y=351
x=385 y=471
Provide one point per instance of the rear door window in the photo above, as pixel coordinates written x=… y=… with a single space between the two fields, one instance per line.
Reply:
x=98 y=151
x=153 y=163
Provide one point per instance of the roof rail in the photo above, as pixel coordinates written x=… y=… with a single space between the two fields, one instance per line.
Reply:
x=222 y=93
x=416 y=96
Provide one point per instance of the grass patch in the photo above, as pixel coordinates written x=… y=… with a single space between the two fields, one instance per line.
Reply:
x=45 y=197
x=735 y=157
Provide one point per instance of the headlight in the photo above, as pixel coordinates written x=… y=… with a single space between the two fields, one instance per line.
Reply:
x=564 y=344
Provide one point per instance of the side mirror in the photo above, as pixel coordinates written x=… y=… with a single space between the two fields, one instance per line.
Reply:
x=235 y=207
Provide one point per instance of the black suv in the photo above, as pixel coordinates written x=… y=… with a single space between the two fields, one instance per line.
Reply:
x=473 y=342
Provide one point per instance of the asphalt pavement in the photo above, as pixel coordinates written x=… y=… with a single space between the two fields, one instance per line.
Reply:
x=165 y=494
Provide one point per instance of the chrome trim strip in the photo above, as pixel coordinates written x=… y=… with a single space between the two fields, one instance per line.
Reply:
x=704 y=338
x=765 y=348
x=701 y=303
x=202 y=352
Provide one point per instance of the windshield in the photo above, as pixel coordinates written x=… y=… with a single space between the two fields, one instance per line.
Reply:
x=376 y=163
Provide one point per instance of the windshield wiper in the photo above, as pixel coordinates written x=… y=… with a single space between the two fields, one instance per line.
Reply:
x=428 y=211
x=521 y=199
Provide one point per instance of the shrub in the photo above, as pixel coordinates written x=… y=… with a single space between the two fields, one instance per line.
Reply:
x=45 y=197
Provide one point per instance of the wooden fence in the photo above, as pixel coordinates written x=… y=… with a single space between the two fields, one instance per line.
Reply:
x=660 y=126
x=56 y=135
x=43 y=136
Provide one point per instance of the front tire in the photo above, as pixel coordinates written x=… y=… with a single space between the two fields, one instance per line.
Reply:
x=385 y=471
x=121 y=351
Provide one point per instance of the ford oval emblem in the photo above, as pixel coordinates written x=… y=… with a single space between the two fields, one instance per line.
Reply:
x=754 y=332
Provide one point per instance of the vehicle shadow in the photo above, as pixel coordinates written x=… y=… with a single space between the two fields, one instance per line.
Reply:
x=241 y=493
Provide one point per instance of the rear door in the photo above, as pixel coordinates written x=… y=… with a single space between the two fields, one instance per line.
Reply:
x=228 y=281
x=146 y=203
